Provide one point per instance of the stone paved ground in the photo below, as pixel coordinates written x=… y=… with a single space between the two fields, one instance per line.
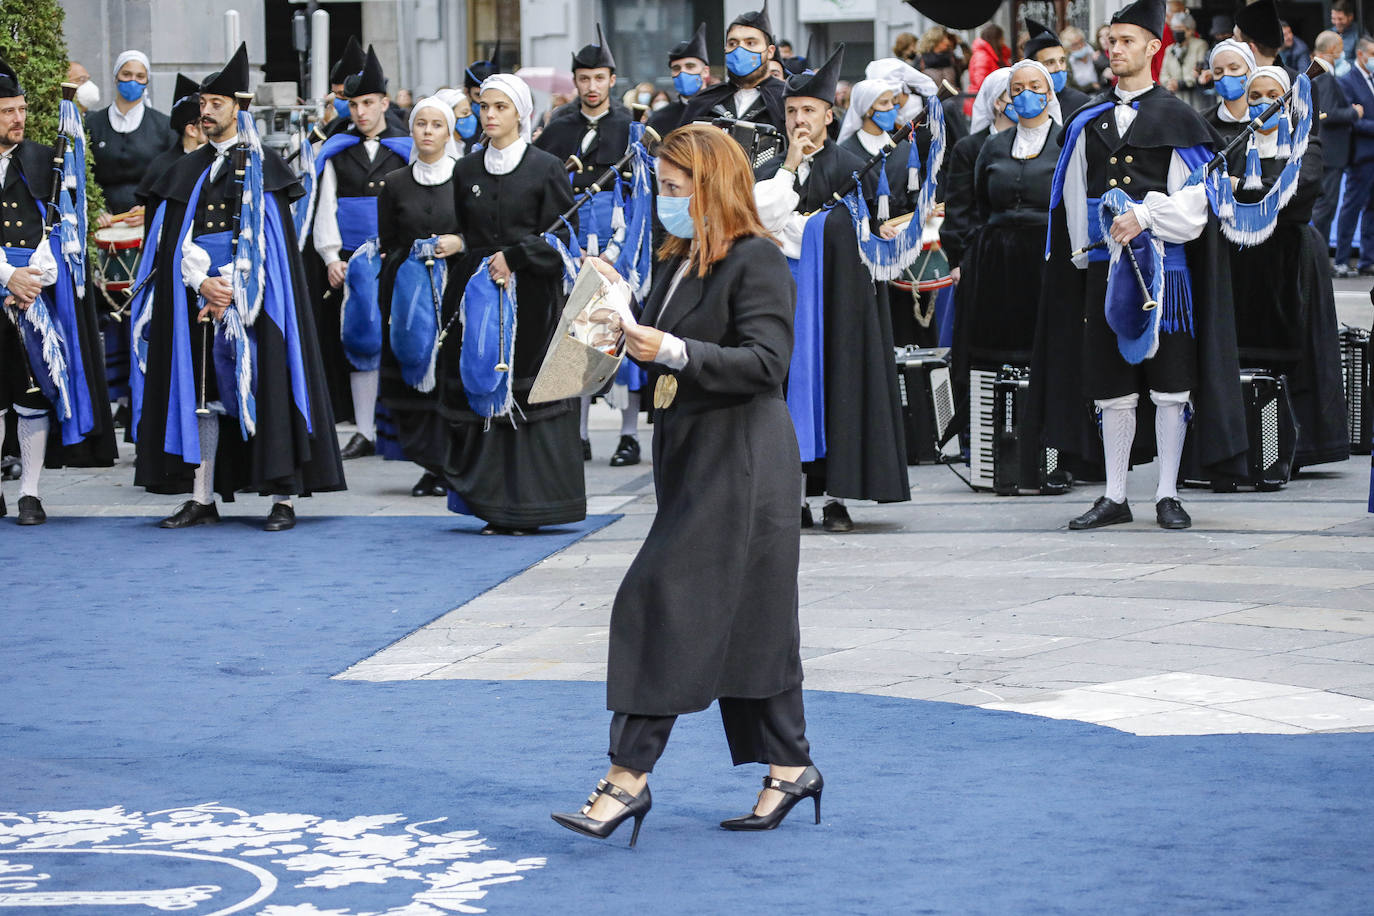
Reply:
x=1258 y=619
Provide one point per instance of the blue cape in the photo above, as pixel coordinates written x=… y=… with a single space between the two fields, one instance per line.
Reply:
x=806 y=376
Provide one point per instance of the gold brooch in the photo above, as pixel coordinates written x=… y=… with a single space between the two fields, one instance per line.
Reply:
x=665 y=392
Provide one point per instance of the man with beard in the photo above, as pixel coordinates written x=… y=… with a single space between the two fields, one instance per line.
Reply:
x=749 y=94
x=689 y=65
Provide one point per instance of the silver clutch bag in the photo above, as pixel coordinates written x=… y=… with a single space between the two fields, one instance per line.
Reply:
x=587 y=346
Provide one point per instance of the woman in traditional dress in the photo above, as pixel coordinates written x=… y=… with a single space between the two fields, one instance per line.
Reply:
x=417 y=202
x=520 y=469
x=1231 y=62
x=709 y=612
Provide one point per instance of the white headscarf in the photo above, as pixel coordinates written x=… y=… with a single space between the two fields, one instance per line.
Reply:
x=1235 y=47
x=437 y=104
x=994 y=84
x=450 y=97
x=126 y=56
x=515 y=89
x=909 y=80
x=1056 y=113
x=861 y=98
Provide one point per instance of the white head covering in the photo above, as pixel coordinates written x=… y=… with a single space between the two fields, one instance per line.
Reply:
x=515 y=89
x=1235 y=47
x=126 y=56
x=1056 y=114
x=994 y=84
x=1275 y=73
x=450 y=97
x=436 y=104
x=861 y=98
x=899 y=71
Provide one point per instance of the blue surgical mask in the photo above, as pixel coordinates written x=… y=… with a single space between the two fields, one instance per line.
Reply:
x=131 y=90
x=673 y=213
x=1029 y=104
x=1342 y=67
x=886 y=120
x=644 y=98
x=1257 y=110
x=341 y=107
x=1059 y=80
x=466 y=126
x=1231 y=87
x=742 y=61
x=1010 y=112
x=687 y=84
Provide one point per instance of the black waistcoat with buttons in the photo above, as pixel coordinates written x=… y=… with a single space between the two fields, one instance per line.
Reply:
x=121 y=159
x=357 y=176
x=27 y=180
x=1139 y=161
x=218 y=202
x=568 y=127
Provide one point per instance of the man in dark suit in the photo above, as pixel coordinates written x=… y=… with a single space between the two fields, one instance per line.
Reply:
x=1336 y=130
x=1358 y=86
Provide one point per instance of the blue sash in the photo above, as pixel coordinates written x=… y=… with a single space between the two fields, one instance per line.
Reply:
x=357 y=218
x=416 y=301
x=360 y=316
x=806 y=376
x=594 y=218
x=230 y=356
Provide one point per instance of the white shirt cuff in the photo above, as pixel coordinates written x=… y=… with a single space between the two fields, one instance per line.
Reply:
x=672 y=353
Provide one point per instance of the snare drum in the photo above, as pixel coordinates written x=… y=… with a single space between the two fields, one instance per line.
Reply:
x=930 y=271
x=117 y=251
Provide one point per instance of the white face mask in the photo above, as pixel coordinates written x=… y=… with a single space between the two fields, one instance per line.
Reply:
x=88 y=95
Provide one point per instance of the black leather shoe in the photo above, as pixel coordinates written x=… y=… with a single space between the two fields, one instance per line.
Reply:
x=1104 y=512
x=429 y=485
x=626 y=453
x=513 y=532
x=281 y=518
x=3 y=510
x=807 y=520
x=1170 y=514
x=636 y=806
x=358 y=447
x=191 y=513
x=31 y=511
x=835 y=517
x=809 y=785
x=586 y=450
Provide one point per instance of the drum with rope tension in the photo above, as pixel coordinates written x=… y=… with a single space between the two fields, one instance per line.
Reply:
x=117 y=252
x=930 y=271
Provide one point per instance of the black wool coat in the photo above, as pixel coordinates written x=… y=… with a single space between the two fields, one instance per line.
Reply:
x=709 y=609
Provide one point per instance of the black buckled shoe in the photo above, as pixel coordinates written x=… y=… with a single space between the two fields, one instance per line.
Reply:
x=358 y=447
x=636 y=806
x=428 y=485
x=190 y=514
x=281 y=518
x=808 y=785
x=1170 y=514
x=586 y=450
x=1104 y=512
x=807 y=520
x=626 y=453
x=835 y=517
x=31 y=511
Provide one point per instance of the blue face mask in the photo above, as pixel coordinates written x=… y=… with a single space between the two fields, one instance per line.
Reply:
x=886 y=120
x=341 y=107
x=742 y=61
x=673 y=214
x=1028 y=104
x=1059 y=80
x=1257 y=110
x=131 y=90
x=687 y=84
x=1231 y=88
x=466 y=126
x=1010 y=112
x=1342 y=67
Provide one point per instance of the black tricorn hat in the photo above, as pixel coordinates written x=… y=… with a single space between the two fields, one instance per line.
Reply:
x=1259 y=22
x=233 y=78
x=1147 y=14
x=693 y=47
x=351 y=62
x=819 y=83
x=9 y=81
x=186 y=108
x=1040 y=39
x=479 y=70
x=594 y=56
x=370 y=80
x=756 y=20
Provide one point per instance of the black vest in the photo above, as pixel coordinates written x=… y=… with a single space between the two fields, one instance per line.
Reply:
x=21 y=222
x=358 y=177
x=1116 y=162
x=218 y=202
x=121 y=159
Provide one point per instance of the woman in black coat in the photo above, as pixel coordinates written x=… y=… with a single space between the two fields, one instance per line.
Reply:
x=706 y=613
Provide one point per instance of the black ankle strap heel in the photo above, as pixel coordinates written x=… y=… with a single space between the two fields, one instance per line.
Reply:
x=636 y=806
x=808 y=785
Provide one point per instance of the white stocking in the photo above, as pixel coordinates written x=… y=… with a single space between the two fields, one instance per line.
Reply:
x=364 y=385
x=33 y=448
x=1118 y=434
x=1170 y=429
x=203 y=490
x=629 y=417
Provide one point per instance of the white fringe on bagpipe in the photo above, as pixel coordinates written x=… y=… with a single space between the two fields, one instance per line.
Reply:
x=54 y=360
x=250 y=254
x=236 y=334
x=424 y=250
x=142 y=320
x=72 y=199
x=302 y=208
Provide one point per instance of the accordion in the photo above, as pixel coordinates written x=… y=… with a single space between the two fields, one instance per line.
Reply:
x=927 y=404
x=1272 y=432
x=1003 y=455
x=1355 y=370
x=760 y=142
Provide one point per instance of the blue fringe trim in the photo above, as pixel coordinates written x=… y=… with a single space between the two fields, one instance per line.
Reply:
x=1177 y=303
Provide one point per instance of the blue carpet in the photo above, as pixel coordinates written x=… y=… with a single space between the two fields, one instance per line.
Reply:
x=167 y=702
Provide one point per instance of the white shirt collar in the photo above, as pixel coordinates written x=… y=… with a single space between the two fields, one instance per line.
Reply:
x=1225 y=116
x=225 y=146
x=874 y=143
x=1029 y=141
x=744 y=98
x=126 y=123
x=501 y=161
x=430 y=174
x=1124 y=96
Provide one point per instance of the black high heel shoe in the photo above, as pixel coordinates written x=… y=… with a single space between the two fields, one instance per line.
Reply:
x=636 y=806
x=809 y=785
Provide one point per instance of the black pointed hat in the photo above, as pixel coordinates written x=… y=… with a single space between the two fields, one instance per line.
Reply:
x=1040 y=39
x=479 y=70
x=233 y=78
x=352 y=61
x=593 y=56
x=370 y=79
x=795 y=65
x=756 y=20
x=1147 y=14
x=186 y=108
x=1259 y=22
x=693 y=47
x=819 y=83
x=9 y=81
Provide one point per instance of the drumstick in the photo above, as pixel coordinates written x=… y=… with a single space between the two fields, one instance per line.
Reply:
x=120 y=217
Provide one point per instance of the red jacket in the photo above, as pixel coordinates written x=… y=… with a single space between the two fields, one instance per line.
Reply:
x=982 y=61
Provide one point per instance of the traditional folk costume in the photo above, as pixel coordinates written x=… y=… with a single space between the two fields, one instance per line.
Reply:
x=1042 y=39
x=516 y=465
x=185 y=110
x=270 y=427
x=1136 y=150
x=761 y=103
x=52 y=371
x=417 y=205
x=841 y=389
x=670 y=116
x=351 y=172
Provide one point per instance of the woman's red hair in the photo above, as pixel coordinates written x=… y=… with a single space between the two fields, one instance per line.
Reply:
x=722 y=205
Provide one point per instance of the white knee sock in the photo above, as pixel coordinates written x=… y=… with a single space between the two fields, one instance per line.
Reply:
x=1118 y=433
x=582 y=420
x=364 y=385
x=629 y=417
x=803 y=490
x=1170 y=430
x=203 y=490
x=33 y=448
x=284 y=500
